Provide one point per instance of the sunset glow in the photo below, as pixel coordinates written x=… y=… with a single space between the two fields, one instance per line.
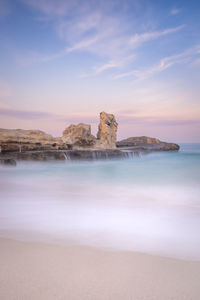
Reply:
x=63 y=62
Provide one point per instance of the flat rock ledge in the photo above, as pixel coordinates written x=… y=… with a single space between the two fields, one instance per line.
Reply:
x=144 y=143
x=62 y=155
x=10 y=158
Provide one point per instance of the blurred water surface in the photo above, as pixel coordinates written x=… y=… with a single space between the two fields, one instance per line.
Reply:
x=149 y=204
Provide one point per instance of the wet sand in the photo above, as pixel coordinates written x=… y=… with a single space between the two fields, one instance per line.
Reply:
x=38 y=271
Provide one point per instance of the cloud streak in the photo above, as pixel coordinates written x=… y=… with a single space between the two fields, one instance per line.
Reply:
x=154 y=120
x=109 y=65
x=123 y=117
x=138 y=39
x=94 y=28
x=164 y=64
x=39 y=115
x=24 y=114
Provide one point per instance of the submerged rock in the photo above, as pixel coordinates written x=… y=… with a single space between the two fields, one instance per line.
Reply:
x=107 y=133
x=8 y=162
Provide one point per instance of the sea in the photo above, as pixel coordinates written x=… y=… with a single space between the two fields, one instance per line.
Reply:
x=147 y=204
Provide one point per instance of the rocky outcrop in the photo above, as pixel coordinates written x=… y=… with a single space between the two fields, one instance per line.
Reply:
x=147 y=143
x=74 y=137
x=27 y=140
x=78 y=136
x=78 y=140
x=107 y=133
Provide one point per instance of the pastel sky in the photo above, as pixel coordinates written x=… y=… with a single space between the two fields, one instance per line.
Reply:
x=64 y=61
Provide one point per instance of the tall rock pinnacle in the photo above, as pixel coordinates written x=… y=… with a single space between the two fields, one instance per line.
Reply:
x=107 y=133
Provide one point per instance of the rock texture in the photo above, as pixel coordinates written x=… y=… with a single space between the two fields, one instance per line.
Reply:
x=147 y=143
x=107 y=133
x=74 y=137
x=63 y=155
x=78 y=136
x=27 y=140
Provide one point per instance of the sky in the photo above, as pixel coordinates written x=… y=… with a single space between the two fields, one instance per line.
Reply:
x=62 y=62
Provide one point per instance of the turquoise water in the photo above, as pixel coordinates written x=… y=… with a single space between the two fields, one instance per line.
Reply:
x=149 y=204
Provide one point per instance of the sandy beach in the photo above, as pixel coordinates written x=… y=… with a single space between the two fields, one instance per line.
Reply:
x=46 y=271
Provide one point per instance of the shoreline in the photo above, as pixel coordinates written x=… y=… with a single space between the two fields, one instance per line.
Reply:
x=35 y=270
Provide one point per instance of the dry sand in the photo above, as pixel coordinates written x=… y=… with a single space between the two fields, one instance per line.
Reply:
x=36 y=271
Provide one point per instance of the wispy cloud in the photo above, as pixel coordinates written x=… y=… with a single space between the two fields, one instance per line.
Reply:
x=24 y=114
x=175 y=11
x=96 y=28
x=138 y=39
x=39 y=115
x=154 y=120
x=100 y=69
x=33 y=57
x=83 y=44
x=123 y=117
x=52 y=8
x=165 y=63
x=83 y=26
x=109 y=65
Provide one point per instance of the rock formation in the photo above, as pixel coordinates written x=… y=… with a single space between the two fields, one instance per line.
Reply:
x=78 y=136
x=77 y=140
x=74 y=137
x=107 y=133
x=147 y=143
x=27 y=140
